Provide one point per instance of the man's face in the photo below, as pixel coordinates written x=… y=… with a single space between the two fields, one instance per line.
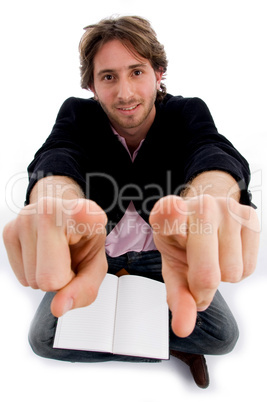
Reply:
x=126 y=87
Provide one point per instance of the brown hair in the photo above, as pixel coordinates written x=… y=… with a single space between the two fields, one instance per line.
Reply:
x=135 y=33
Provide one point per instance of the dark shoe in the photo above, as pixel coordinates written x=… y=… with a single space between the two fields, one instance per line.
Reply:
x=198 y=367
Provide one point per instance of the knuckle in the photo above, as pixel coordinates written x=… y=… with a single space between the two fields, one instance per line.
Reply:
x=170 y=204
x=11 y=232
x=49 y=283
x=92 y=206
x=23 y=281
x=207 y=278
x=205 y=206
x=206 y=203
x=30 y=281
x=249 y=268
x=24 y=224
x=8 y=234
x=49 y=211
x=233 y=274
x=251 y=219
x=233 y=205
x=208 y=200
x=46 y=214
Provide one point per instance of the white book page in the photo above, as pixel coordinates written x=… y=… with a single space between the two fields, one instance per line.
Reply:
x=92 y=327
x=142 y=318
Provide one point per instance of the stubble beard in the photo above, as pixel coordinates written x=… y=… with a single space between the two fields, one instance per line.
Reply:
x=129 y=122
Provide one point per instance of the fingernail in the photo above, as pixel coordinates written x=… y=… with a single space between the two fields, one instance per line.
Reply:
x=200 y=309
x=68 y=306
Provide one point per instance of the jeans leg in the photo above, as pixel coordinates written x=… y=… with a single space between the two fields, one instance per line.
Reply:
x=215 y=333
x=41 y=336
x=146 y=264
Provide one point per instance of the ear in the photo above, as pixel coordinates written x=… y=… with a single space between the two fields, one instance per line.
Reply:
x=159 y=73
x=92 y=89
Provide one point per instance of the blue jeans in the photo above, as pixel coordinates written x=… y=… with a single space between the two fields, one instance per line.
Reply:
x=215 y=332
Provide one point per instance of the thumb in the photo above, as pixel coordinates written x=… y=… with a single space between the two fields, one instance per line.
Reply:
x=83 y=289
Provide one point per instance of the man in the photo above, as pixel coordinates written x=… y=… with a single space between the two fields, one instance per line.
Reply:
x=140 y=180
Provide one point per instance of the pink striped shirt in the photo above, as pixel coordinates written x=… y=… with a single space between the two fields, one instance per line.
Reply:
x=132 y=232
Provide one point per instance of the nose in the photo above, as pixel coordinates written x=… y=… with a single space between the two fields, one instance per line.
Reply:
x=125 y=89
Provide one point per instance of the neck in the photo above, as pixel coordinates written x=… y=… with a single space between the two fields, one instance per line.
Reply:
x=134 y=135
x=132 y=148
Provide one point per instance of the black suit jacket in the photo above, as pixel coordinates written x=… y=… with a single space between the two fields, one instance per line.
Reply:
x=181 y=143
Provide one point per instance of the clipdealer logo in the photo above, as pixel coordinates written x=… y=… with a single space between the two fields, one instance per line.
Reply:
x=17 y=184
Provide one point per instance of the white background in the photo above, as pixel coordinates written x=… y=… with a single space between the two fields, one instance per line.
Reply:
x=217 y=51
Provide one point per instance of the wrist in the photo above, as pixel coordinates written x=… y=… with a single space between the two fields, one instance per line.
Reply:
x=56 y=187
x=215 y=183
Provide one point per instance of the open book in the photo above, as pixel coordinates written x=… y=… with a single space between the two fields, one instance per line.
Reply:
x=130 y=316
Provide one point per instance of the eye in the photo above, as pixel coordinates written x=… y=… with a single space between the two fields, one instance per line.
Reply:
x=108 y=77
x=137 y=72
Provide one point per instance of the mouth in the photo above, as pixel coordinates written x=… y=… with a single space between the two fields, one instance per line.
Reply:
x=129 y=108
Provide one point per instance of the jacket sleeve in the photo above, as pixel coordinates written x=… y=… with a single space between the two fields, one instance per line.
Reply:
x=205 y=149
x=61 y=154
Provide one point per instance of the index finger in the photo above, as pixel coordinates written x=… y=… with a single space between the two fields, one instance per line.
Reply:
x=53 y=262
x=180 y=300
x=204 y=273
x=83 y=289
x=56 y=235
